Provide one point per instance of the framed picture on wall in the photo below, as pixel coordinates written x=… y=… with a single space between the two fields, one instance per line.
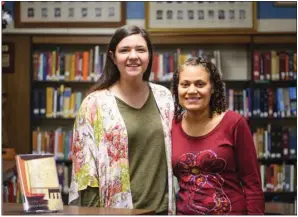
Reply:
x=168 y=16
x=60 y=14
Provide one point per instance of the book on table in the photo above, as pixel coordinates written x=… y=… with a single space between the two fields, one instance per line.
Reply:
x=38 y=178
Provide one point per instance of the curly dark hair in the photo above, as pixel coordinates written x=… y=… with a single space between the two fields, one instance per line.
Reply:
x=217 y=102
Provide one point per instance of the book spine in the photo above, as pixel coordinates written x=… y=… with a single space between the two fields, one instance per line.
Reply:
x=256 y=65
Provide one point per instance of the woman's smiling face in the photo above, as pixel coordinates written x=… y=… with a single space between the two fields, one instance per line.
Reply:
x=131 y=56
x=194 y=88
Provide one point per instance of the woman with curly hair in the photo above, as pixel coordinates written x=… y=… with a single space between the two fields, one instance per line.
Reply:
x=213 y=154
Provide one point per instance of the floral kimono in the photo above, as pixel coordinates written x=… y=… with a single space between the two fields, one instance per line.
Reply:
x=100 y=148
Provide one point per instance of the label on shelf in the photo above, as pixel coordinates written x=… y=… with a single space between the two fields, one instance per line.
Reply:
x=285 y=151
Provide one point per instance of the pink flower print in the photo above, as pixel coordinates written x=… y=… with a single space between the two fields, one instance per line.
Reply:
x=222 y=204
x=115 y=149
x=209 y=163
x=199 y=174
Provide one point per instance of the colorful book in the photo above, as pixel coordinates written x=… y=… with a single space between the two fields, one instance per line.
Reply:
x=39 y=183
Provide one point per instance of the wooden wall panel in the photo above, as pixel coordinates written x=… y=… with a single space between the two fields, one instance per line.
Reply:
x=16 y=112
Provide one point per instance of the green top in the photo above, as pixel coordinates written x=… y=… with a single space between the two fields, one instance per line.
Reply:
x=147 y=158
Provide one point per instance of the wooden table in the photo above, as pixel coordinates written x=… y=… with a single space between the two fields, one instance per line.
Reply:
x=17 y=209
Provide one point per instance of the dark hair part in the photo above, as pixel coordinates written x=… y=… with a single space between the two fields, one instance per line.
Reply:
x=217 y=102
x=110 y=72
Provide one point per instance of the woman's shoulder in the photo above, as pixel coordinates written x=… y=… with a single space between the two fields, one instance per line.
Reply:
x=233 y=118
x=96 y=97
x=97 y=93
x=233 y=114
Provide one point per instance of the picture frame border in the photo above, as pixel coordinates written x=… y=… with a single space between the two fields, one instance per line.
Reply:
x=253 y=29
x=285 y=3
x=20 y=24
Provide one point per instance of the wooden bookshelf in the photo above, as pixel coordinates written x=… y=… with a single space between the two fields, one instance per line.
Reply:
x=248 y=41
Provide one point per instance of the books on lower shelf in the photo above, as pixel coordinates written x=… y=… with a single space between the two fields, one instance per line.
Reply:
x=57 y=142
x=275 y=142
x=53 y=102
x=263 y=102
x=278 y=178
x=38 y=178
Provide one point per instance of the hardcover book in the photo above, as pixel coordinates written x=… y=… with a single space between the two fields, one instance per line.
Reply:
x=39 y=184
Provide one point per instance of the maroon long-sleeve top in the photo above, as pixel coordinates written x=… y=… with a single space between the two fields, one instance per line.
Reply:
x=218 y=173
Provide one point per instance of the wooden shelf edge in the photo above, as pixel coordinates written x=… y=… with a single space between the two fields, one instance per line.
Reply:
x=152 y=33
x=63 y=39
x=63 y=81
x=280 y=193
x=201 y=39
x=282 y=39
x=50 y=119
x=272 y=118
x=59 y=161
x=250 y=33
x=277 y=161
x=177 y=38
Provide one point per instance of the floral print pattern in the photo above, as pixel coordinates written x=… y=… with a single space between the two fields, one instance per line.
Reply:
x=199 y=174
x=100 y=148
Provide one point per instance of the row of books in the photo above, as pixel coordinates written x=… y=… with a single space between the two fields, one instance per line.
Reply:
x=58 y=65
x=263 y=102
x=259 y=102
x=275 y=65
x=87 y=65
x=165 y=63
x=56 y=102
x=276 y=142
x=57 y=142
x=278 y=178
